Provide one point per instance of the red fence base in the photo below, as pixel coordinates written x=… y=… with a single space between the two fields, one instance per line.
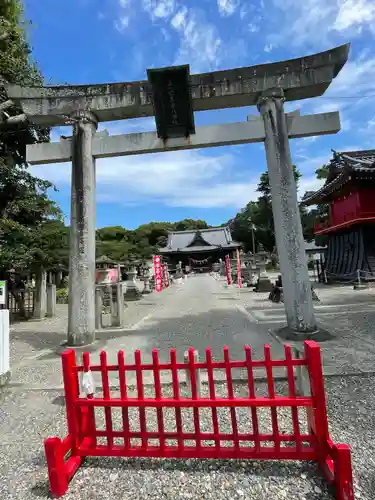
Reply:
x=65 y=456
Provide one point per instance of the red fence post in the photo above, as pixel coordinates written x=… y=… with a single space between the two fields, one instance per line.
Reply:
x=58 y=479
x=343 y=472
x=335 y=460
x=88 y=427
x=318 y=421
x=71 y=390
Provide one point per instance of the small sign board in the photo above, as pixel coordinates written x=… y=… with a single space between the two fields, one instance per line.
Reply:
x=3 y=293
x=173 y=106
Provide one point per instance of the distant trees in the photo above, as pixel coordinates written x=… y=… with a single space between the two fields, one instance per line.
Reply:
x=258 y=216
x=121 y=244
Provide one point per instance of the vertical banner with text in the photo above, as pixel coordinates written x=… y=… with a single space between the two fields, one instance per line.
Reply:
x=239 y=279
x=158 y=273
x=165 y=275
x=228 y=270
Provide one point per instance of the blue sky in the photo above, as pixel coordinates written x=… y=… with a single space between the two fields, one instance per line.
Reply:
x=93 y=41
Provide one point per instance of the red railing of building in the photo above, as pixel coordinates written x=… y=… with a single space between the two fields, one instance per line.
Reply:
x=356 y=207
x=65 y=456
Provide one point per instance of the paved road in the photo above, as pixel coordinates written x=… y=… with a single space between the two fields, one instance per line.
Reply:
x=199 y=313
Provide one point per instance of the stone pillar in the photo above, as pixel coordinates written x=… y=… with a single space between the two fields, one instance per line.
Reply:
x=81 y=321
x=58 y=279
x=287 y=220
x=40 y=301
x=51 y=300
x=118 y=316
x=98 y=308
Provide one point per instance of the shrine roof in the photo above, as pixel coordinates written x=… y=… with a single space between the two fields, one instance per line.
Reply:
x=207 y=239
x=344 y=167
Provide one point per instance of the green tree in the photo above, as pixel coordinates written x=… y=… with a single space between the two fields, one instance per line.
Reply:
x=322 y=172
x=16 y=67
x=258 y=215
x=186 y=224
x=31 y=230
x=28 y=220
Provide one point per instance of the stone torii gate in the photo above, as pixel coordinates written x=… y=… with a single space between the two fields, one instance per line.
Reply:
x=172 y=95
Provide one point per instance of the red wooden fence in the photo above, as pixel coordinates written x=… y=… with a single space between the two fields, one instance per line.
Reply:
x=84 y=435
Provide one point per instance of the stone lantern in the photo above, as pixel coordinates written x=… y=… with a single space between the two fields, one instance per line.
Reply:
x=264 y=284
x=132 y=291
x=107 y=271
x=146 y=276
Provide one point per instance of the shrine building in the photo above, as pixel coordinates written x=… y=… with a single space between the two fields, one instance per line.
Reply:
x=349 y=191
x=199 y=249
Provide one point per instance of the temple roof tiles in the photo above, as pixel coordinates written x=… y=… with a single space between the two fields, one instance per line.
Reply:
x=204 y=239
x=342 y=168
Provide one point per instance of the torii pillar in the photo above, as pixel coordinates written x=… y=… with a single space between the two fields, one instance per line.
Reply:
x=81 y=316
x=297 y=294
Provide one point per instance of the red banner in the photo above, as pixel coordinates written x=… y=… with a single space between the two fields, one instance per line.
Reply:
x=239 y=279
x=158 y=273
x=228 y=270
x=165 y=275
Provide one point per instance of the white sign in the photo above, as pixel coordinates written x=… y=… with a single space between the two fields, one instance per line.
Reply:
x=3 y=293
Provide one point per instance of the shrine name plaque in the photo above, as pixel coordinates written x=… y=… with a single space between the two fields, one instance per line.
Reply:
x=172 y=101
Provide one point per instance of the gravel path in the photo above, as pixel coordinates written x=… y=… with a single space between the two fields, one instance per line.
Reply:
x=199 y=313
x=351 y=410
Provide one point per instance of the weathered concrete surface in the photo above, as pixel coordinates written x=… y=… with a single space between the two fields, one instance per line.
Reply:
x=300 y=78
x=287 y=220
x=81 y=322
x=205 y=137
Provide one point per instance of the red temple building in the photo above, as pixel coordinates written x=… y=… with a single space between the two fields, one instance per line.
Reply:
x=349 y=192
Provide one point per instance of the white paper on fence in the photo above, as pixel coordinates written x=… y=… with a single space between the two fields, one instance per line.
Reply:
x=87 y=383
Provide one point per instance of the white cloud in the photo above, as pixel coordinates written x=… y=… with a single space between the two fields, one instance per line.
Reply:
x=179 y=20
x=227 y=7
x=268 y=47
x=253 y=28
x=159 y=9
x=122 y=23
x=200 y=42
x=355 y=12
x=316 y=22
x=309 y=183
x=175 y=179
x=357 y=77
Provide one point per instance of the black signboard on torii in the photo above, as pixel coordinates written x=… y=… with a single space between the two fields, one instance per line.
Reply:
x=172 y=101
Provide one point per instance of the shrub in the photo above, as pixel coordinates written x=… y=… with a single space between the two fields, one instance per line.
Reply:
x=62 y=296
